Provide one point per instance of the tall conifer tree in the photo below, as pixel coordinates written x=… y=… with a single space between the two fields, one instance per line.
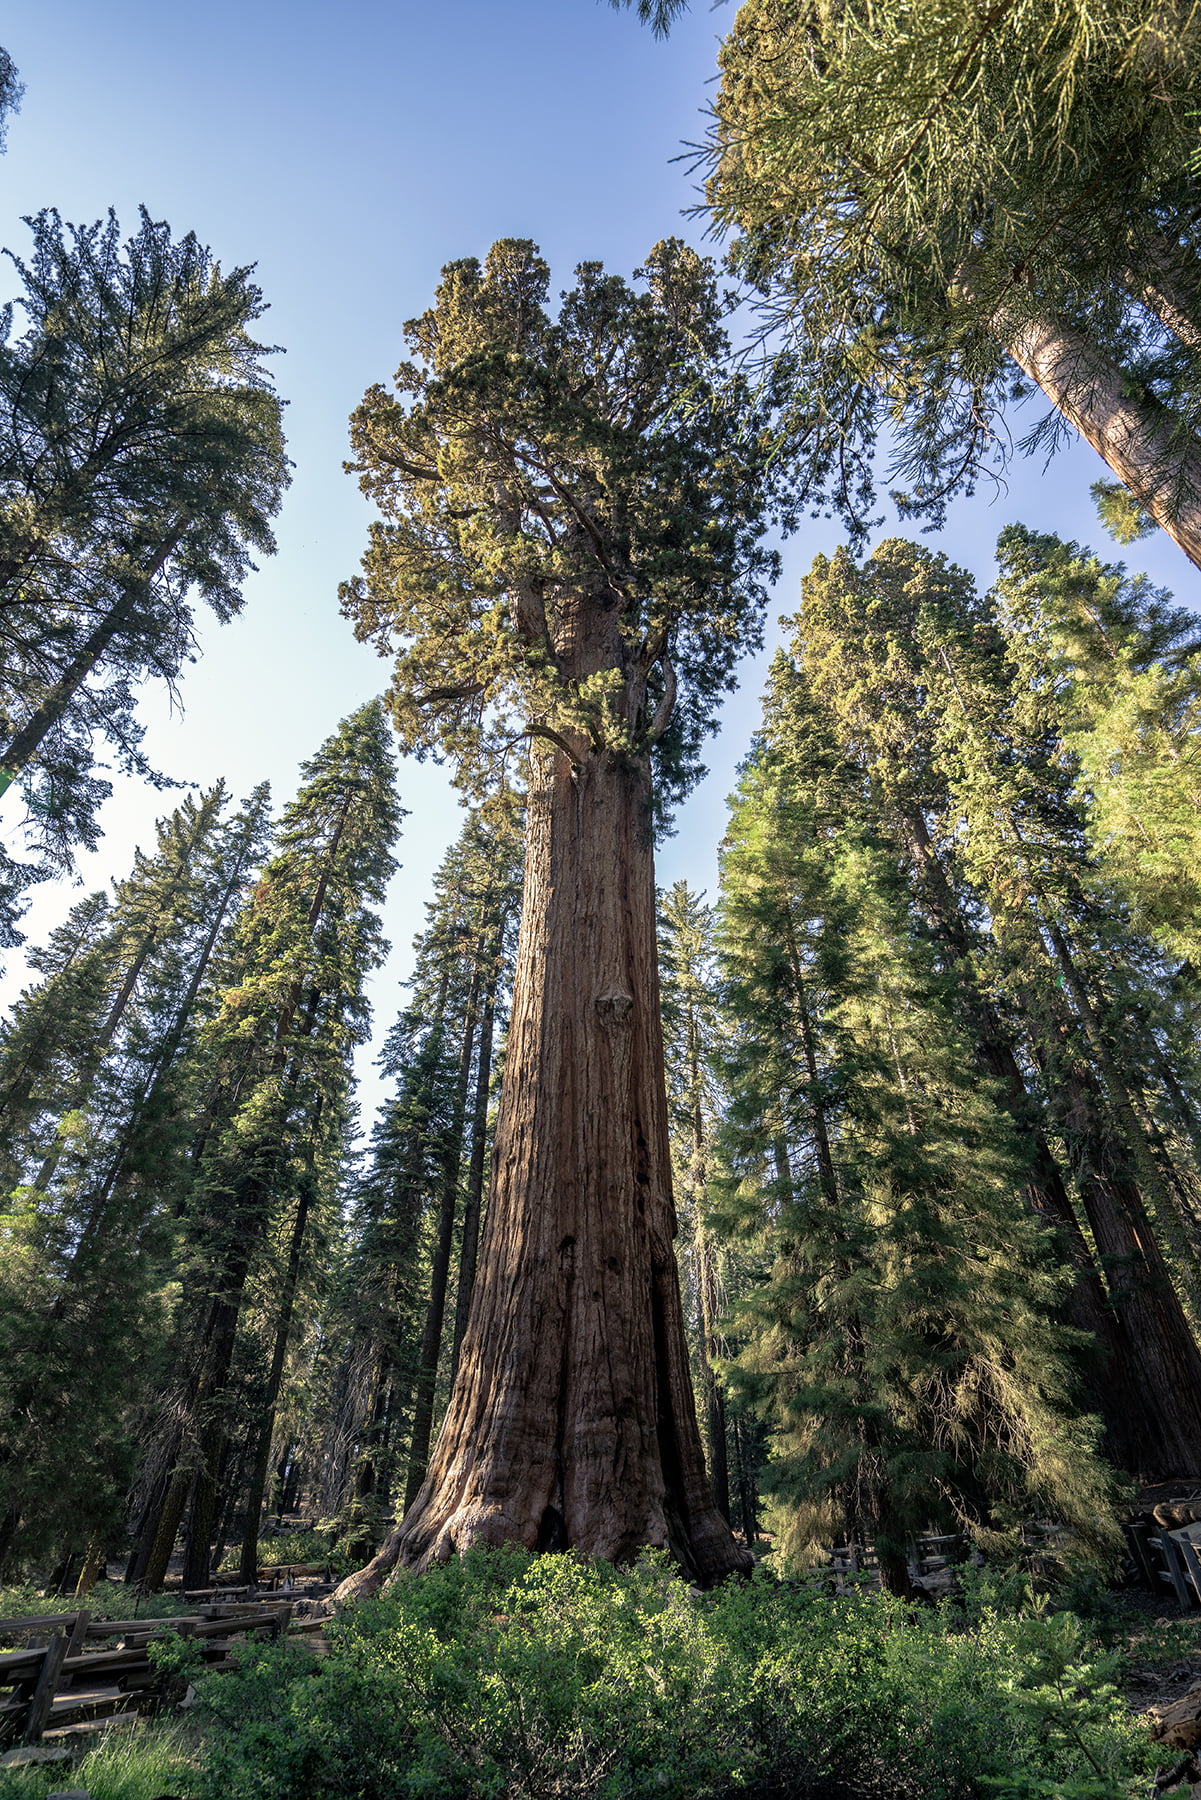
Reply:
x=273 y=1075
x=95 y=1136
x=568 y=554
x=959 y=745
x=903 y=1345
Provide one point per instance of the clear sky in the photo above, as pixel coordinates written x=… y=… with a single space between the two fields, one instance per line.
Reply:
x=350 y=151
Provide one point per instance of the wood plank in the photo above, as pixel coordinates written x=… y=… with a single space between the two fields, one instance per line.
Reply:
x=123 y=1705
x=43 y=1693
x=51 y=1622
x=11 y=1660
x=1170 y=1551
x=87 y=1668
x=100 y=1628
x=85 y=1696
x=1187 y=1550
x=62 y=1734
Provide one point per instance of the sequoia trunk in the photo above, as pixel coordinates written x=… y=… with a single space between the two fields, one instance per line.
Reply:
x=1141 y=442
x=571 y=1420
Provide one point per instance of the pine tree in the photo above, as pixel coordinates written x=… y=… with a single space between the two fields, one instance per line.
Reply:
x=272 y=1075
x=960 y=741
x=568 y=554
x=903 y=1345
x=141 y=460
x=94 y=1140
x=1126 y=668
x=942 y=209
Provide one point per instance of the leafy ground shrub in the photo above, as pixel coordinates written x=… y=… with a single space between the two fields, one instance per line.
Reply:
x=506 y=1677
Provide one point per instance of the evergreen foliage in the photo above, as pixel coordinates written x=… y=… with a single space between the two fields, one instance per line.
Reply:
x=141 y=460
x=1124 y=669
x=532 y=459
x=902 y=1343
x=94 y=1132
x=940 y=208
x=11 y=91
x=272 y=1073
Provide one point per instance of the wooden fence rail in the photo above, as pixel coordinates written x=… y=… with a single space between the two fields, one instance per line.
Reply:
x=60 y=1682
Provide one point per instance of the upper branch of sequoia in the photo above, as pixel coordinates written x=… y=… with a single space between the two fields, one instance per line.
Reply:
x=571 y=508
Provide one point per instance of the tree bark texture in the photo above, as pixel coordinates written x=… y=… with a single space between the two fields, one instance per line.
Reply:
x=572 y=1420
x=1134 y=438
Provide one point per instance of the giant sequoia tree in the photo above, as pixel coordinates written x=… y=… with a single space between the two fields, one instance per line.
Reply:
x=568 y=557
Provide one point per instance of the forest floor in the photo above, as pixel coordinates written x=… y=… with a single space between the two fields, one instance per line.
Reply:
x=1160 y=1646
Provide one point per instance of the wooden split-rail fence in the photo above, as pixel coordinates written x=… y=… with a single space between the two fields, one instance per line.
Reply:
x=75 y=1671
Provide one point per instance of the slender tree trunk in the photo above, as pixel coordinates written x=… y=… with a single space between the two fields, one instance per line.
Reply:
x=262 y=1459
x=572 y=1421
x=431 y=1342
x=1160 y=466
x=214 y=1422
x=24 y=744
x=705 y=1264
x=715 y=1402
x=163 y=1528
x=1165 y=283
x=473 y=1203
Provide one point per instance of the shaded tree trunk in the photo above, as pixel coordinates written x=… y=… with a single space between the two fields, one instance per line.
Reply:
x=262 y=1456
x=431 y=1341
x=474 y=1200
x=572 y=1420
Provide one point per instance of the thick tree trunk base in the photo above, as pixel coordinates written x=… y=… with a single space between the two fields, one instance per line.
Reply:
x=571 y=1422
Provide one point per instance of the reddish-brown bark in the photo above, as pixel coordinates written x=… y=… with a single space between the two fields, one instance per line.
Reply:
x=571 y=1421
x=1138 y=439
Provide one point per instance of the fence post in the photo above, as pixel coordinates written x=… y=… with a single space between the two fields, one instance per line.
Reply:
x=43 y=1693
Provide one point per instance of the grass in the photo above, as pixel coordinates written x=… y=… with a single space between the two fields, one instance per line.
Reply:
x=144 y=1762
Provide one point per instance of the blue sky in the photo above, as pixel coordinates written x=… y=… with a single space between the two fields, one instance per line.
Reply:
x=350 y=152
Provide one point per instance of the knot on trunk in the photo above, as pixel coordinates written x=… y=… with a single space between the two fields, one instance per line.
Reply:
x=614 y=1008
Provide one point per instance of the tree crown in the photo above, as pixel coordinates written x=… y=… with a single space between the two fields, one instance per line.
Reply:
x=570 y=507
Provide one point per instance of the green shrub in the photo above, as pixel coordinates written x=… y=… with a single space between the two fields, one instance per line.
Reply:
x=502 y=1675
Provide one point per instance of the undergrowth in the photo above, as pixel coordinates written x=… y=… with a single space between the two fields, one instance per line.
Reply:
x=506 y=1677
x=146 y=1763
x=317 y=1544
